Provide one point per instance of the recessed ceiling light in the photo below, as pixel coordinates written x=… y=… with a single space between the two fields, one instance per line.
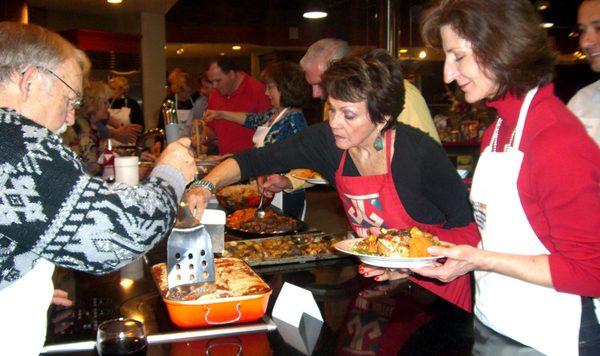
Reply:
x=114 y=1
x=547 y=25
x=236 y=48
x=422 y=54
x=542 y=5
x=314 y=14
x=403 y=50
x=180 y=50
x=222 y=54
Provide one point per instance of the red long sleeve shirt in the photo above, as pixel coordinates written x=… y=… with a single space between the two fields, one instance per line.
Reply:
x=559 y=187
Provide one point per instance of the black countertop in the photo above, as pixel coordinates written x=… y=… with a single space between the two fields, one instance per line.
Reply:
x=361 y=317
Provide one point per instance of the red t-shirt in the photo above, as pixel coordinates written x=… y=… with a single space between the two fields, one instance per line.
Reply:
x=248 y=97
x=559 y=187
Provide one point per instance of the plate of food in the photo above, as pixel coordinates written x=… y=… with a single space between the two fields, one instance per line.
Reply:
x=310 y=176
x=393 y=248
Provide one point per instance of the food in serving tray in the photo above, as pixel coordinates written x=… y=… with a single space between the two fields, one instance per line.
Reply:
x=397 y=243
x=239 y=196
x=307 y=174
x=244 y=220
x=280 y=248
x=233 y=278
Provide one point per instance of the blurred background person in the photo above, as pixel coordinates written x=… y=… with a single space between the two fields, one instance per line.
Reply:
x=233 y=90
x=187 y=103
x=585 y=104
x=122 y=107
x=288 y=92
x=82 y=137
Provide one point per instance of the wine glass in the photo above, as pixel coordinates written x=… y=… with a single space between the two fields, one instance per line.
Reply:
x=121 y=337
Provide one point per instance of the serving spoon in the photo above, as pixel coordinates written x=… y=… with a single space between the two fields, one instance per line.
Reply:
x=260 y=210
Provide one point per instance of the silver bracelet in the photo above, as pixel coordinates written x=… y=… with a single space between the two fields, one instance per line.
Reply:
x=203 y=184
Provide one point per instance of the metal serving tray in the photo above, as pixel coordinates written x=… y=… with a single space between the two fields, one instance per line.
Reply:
x=285 y=260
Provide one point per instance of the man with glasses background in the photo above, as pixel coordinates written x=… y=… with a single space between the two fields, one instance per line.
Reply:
x=51 y=211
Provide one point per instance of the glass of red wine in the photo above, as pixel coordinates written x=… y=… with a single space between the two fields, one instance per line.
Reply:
x=121 y=337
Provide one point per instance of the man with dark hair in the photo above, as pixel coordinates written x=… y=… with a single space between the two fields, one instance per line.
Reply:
x=234 y=91
x=586 y=102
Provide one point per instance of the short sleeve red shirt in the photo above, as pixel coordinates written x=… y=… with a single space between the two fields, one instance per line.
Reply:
x=248 y=97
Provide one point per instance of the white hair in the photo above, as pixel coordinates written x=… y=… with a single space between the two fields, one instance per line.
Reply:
x=324 y=51
x=24 y=45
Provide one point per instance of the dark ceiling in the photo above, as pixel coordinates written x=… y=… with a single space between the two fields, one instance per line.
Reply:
x=267 y=22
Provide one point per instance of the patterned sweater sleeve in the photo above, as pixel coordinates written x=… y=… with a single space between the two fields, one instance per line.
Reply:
x=52 y=209
x=290 y=125
x=256 y=119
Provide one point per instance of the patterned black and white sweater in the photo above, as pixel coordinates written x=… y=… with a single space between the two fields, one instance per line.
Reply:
x=50 y=208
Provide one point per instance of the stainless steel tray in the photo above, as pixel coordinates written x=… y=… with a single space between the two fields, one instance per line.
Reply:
x=286 y=260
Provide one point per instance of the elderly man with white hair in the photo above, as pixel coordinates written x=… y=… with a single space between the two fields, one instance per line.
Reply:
x=51 y=211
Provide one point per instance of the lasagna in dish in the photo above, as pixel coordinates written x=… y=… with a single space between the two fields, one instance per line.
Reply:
x=233 y=278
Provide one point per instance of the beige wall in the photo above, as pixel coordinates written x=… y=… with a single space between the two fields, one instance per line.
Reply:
x=154 y=64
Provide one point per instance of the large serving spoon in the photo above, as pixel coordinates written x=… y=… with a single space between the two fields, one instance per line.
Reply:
x=260 y=210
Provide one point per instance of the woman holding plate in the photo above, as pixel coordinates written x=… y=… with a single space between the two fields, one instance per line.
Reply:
x=288 y=92
x=535 y=189
x=387 y=174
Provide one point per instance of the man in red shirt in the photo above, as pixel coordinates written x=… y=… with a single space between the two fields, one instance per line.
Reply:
x=235 y=91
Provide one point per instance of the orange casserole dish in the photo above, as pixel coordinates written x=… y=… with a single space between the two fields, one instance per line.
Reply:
x=238 y=295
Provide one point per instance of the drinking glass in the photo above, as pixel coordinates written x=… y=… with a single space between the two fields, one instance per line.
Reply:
x=121 y=337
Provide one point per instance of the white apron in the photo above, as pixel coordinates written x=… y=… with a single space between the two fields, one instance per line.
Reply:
x=185 y=119
x=23 y=309
x=259 y=141
x=122 y=115
x=537 y=316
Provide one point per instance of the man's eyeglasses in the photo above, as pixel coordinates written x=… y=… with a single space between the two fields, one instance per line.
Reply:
x=74 y=103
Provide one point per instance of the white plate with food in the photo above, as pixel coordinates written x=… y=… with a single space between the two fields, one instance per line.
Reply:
x=393 y=249
x=309 y=176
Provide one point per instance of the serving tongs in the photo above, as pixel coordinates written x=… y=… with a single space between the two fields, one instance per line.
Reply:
x=190 y=258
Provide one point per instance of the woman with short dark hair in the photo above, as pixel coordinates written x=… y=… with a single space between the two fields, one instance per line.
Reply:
x=535 y=188
x=387 y=174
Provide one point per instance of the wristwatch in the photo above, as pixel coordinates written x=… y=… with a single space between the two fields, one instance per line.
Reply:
x=204 y=184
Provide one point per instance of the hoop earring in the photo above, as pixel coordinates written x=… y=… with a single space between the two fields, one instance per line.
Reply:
x=378 y=145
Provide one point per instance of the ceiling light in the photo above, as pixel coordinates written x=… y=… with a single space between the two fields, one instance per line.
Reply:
x=314 y=14
x=542 y=5
x=236 y=48
x=114 y=1
x=547 y=25
x=403 y=50
x=422 y=54
x=315 y=10
x=180 y=50
x=573 y=34
x=222 y=54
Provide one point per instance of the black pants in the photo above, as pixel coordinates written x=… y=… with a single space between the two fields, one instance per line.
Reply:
x=293 y=203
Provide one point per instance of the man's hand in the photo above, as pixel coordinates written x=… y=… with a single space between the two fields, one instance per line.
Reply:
x=180 y=156
x=60 y=297
x=210 y=115
x=274 y=183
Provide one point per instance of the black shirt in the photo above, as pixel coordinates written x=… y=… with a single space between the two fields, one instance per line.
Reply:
x=426 y=181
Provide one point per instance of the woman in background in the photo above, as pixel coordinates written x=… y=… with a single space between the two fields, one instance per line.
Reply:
x=287 y=91
x=124 y=108
x=82 y=137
